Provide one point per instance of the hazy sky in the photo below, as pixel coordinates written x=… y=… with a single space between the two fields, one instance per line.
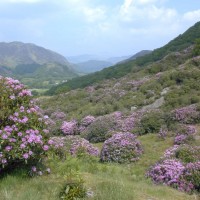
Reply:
x=112 y=27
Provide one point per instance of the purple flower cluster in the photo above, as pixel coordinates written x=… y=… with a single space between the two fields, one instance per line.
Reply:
x=23 y=136
x=186 y=115
x=180 y=139
x=121 y=148
x=74 y=145
x=167 y=172
x=174 y=173
x=86 y=121
x=179 y=168
x=58 y=115
x=126 y=124
x=190 y=130
x=69 y=128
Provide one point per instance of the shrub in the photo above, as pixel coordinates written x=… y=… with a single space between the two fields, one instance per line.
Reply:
x=23 y=136
x=73 y=145
x=185 y=153
x=121 y=148
x=180 y=139
x=98 y=131
x=151 y=123
x=73 y=189
x=191 y=175
x=188 y=153
x=186 y=115
x=167 y=172
x=86 y=121
x=69 y=128
x=174 y=173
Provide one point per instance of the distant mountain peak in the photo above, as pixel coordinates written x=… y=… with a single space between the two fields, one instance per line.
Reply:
x=16 y=53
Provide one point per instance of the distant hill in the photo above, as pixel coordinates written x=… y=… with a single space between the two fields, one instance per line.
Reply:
x=33 y=64
x=137 y=55
x=91 y=66
x=16 y=53
x=87 y=57
x=179 y=43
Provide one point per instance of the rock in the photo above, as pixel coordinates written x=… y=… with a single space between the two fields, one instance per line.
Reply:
x=133 y=108
x=158 y=103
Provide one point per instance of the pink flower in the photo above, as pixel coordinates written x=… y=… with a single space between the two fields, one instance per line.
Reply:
x=45 y=147
x=26 y=156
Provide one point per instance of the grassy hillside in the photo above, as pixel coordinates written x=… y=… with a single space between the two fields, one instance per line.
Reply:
x=106 y=181
x=177 y=73
x=181 y=42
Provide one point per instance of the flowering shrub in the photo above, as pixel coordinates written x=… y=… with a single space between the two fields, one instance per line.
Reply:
x=102 y=128
x=185 y=153
x=57 y=115
x=73 y=145
x=179 y=168
x=121 y=147
x=23 y=136
x=180 y=139
x=191 y=175
x=186 y=115
x=86 y=121
x=167 y=172
x=126 y=124
x=69 y=128
x=99 y=130
x=174 y=173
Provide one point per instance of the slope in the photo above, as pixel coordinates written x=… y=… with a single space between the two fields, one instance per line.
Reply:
x=179 y=43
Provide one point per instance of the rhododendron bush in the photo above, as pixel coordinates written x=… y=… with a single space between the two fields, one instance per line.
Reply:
x=23 y=137
x=121 y=148
x=73 y=145
x=179 y=168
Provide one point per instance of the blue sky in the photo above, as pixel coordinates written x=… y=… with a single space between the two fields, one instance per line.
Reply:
x=107 y=27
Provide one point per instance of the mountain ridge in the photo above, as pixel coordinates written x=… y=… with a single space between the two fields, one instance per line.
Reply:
x=179 y=43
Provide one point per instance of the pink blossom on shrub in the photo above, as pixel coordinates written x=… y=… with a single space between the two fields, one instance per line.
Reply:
x=186 y=115
x=73 y=145
x=22 y=134
x=121 y=148
x=170 y=152
x=69 y=128
x=180 y=139
x=167 y=172
x=86 y=121
x=58 y=115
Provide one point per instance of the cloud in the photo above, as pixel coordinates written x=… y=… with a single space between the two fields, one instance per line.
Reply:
x=192 y=15
x=94 y=14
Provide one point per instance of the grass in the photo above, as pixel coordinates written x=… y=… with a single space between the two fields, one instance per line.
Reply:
x=107 y=181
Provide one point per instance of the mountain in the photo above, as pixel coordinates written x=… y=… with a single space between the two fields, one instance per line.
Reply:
x=88 y=57
x=91 y=66
x=181 y=42
x=115 y=60
x=34 y=65
x=16 y=53
x=82 y=58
